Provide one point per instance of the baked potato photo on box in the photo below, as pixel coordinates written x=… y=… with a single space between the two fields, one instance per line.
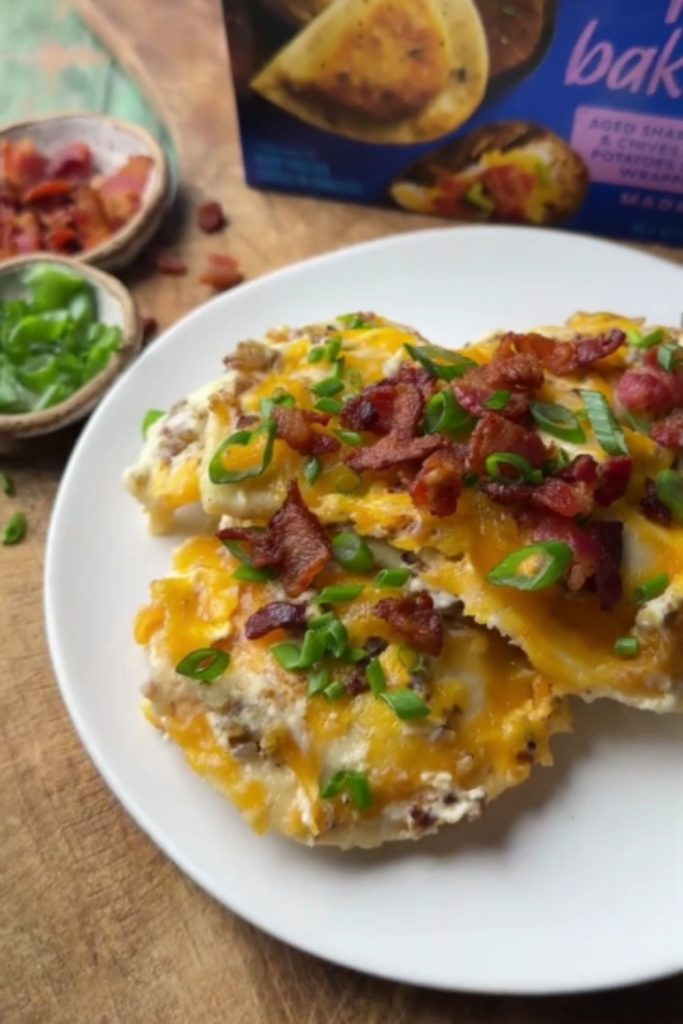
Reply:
x=512 y=171
x=381 y=71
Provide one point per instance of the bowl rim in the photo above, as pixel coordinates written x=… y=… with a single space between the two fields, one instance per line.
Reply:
x=47 y=420
x=153 y=200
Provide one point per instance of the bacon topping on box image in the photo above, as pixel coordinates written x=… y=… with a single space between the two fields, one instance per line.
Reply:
x=294 y=543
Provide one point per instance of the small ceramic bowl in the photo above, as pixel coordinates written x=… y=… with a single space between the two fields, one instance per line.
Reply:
x=116 y=307
x=112 y=143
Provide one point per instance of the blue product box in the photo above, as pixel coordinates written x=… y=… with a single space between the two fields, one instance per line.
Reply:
x=560 y=112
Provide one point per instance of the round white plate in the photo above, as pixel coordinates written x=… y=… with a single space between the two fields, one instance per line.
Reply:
x=572 y=882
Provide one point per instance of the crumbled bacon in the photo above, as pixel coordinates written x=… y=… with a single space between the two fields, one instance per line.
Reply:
x=438 y=483
x=608 y=480
x=650 y=389
x=400 y=445
x=519 y=373
x=121 y=192
x=371 y=410
x=652 y=508
x=170 y=263
x=276 y=615
x=408 y=373
x=553 y=495
x=150 y=326
x=210 y=217
x=294 y=428
x=21 y=163
x=507 y=494
x=221 y=272
x=48 y=193
x=494 y=434
x=669 y=432
x=597 y=555
x=473 y=399
x=294 y=543
x=564 y=357
x=414 y=620
x=74 y=160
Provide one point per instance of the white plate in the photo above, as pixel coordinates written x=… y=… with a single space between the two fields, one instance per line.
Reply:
x=572 y=882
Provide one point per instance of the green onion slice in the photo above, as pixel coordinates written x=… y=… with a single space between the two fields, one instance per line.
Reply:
x=445 y=415
x=340 y=594
x=375 y=677
x=454 y=364
x=218 y=474
x=645 y=340
x=205 y=664
x=278 y=398
x=669 y=490
x=627 y=647
x=497 y=401
x=604 y=423
x=6 y=484
x=14 y=529
x=319 y=680
x=525 y=472
x=249 y=574
x=390 y=578
x=335 y=691
x=558 y=421
x=347 y=481
x=670 y=357
x=350 y=437
x=353 y=552
x=354 y=321
x=651 y=588
x=150 y=417
x=331 y=405
x=328 y=387
x=312 y=469
x=287 y=655
x=533 y=567
x=354 y=783
x=406 y=704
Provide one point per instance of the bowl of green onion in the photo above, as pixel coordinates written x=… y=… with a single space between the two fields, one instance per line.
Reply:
x=67 y=331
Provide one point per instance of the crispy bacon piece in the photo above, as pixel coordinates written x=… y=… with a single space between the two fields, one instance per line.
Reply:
x=519 y=373
x=210 y=217
x=48 y=193
x=170 y=263
x=74 y=160
x=294 y=543
x=221 y=272
x=608 y=481
x=371 y=410
x=25 y=232
x=62 y=240
x=121 y=193
x=408 y=373
x=88 y=217
x=669 y=432
x=652 y=508
x=414 y=619
x=400 y=445
x=493 y=434
x=564 y=357
x=650 y=389
x=294 y=428
x=21 y=163
x=276 y=615
x=438 y=483
x=597 y=555
x=553 y=495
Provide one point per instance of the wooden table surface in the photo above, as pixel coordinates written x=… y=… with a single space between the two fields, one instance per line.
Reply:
x=96 y=925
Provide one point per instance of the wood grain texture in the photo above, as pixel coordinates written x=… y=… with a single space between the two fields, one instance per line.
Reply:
x=96 y=926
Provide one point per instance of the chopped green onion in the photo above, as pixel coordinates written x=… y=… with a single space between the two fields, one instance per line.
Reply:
x=476 y=196
x=497 y=401
x=533 y=567
x=6 y=484
x=339 y=365
x=205 y=665
x=328 y=387
x=651 y=588
x=327 y=352
x=317 y=354
x=339 y=595
x=375 y=676
x=321 y=620
x=350 y=437
x=457 y=365
x=313 y=648
x=406 y=704
x=670 y=357
x=150 y=417
x=604 y=423
x=496 y=464
x=336 y=638
x=318 y=681
x=14 y=529
x=312 y=469
x=287 y=655
x=445 y=415
x=237 y=551
x=248 y=574
x=558 y=421
x=669 y=490
x=352 y=655
x=347 y=481
x=646 y=340
x=218 y=474
x=389 y=578
x=354 y=783
x=352 y=552
x=354 y=321
x=278 y=398
x=335 y=691
x=627 y=647
x=331 y=405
